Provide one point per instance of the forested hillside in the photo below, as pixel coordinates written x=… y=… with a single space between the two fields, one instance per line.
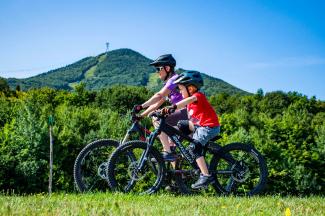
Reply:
x=122 y=66
x=287 y=128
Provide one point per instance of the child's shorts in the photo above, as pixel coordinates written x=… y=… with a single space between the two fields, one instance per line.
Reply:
x=204 y=134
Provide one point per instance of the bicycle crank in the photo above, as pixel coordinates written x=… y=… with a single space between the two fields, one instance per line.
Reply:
x=241 y=172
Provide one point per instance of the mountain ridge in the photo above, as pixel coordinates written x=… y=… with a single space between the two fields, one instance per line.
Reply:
x=120 y=66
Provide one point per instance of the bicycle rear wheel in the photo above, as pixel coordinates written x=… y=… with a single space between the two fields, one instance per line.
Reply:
x=239 y=169
x=123 y=169
x=89 y=170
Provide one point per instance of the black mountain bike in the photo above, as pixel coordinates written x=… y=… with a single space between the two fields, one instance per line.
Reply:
x=138 y=167
x=90 y=165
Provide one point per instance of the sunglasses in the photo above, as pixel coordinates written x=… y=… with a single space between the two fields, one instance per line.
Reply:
x=159 y=68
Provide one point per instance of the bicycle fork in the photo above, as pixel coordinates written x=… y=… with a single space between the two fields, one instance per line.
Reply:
x=144 y=156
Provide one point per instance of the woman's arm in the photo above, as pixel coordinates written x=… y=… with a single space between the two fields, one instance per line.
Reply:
x=152 y=108
x=157 y=97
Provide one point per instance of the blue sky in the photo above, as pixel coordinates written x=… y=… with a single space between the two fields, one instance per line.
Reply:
x=273 y=45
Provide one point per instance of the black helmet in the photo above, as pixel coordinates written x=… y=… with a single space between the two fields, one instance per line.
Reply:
x=190 y=78
x=164 y=60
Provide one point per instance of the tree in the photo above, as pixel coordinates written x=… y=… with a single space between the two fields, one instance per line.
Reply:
x=4 y=87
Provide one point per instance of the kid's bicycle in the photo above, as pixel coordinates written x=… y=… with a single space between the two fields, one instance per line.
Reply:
x=137 y=166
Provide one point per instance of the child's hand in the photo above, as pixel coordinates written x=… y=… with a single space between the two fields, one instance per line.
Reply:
x=168 y=109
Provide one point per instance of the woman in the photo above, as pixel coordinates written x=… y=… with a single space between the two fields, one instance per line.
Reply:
x=165 y=66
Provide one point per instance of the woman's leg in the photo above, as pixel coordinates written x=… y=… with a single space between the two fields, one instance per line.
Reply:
x=163 y=138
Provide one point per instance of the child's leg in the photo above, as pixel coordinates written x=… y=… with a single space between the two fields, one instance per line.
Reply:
x=202 y=165
x=191 y=126
x=203 y=135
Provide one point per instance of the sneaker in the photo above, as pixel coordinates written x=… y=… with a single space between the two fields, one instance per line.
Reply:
x=169 y=156
x=203 y=182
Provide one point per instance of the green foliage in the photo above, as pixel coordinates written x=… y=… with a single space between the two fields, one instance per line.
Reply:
x=23 y=150
x=59 y=78
x=4 y=87
x=287 y=128
x=121 y=98
x=121 y=66
x=24 y=138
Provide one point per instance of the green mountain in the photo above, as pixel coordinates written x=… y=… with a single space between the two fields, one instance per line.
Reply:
x=121 y=66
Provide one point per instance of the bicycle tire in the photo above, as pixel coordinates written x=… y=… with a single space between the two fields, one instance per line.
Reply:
x=232 y=159
x=95 y=166
x=122 y=172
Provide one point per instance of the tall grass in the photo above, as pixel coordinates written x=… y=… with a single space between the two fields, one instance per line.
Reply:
x=126 y=204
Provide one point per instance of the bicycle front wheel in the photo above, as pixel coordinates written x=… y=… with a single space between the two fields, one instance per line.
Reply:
x=239 y=169
x=125 y=175
x=90 y=166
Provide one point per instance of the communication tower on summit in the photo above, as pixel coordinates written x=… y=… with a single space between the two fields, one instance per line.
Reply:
x=107 y=46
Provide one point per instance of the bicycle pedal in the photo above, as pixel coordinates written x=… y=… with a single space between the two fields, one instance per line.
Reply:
x=153 y=160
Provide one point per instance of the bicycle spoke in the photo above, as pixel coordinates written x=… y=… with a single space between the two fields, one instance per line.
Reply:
x=239 y=170
x=126 y=174
x=231 y=186
x=91 y=164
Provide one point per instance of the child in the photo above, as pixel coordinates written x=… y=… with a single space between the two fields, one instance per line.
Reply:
x=203 y=121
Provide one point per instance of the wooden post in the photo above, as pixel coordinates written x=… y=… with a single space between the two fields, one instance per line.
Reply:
x=51 y=121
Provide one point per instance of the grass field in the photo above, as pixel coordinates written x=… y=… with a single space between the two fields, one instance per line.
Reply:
x=121 y=204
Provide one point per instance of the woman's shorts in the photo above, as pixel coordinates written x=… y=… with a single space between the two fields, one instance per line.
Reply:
x=177 y=116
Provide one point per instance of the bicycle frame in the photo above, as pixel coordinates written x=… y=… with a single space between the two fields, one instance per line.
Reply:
x=177 y=136
x=136 y=127
x=174 y=135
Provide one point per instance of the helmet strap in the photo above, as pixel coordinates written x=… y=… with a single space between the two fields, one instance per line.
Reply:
x=169 y=74
x=188 y=93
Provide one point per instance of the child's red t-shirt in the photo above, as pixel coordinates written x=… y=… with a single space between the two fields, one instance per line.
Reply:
x=201 y=112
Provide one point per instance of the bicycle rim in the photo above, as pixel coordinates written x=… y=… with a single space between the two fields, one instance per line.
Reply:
x=124 y=173
x=91 y=166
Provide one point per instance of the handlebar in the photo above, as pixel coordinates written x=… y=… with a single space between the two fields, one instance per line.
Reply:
x=157 y=114
x=134 y=116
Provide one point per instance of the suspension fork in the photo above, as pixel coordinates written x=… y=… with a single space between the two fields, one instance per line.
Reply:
x=144 y=156
x=126 y=137
x=135 y=128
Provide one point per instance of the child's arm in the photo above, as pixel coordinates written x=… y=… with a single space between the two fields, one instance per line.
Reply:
x=179 y=105
x=186 y=101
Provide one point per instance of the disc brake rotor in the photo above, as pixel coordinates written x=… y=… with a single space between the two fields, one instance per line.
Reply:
x=101 y=171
